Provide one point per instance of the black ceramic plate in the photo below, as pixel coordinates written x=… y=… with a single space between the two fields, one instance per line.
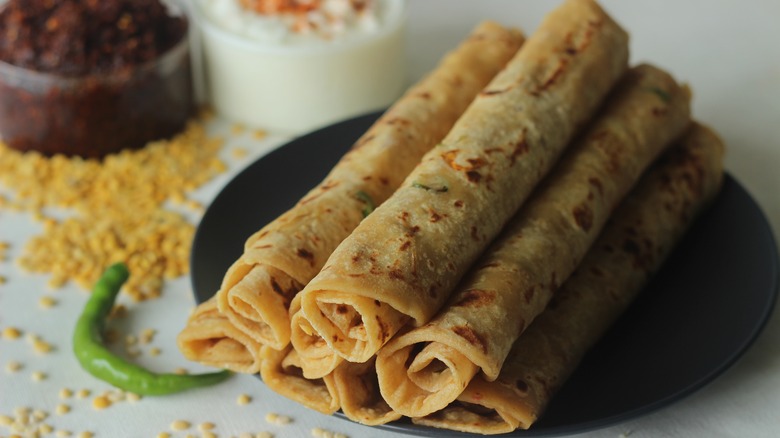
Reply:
x=697 y=317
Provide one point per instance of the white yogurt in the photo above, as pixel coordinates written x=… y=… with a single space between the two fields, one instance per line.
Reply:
x=291 y=72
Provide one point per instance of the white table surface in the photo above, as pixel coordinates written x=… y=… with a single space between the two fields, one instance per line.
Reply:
x=729 y=51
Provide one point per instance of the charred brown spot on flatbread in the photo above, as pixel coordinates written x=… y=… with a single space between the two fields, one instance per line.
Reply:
x=286 y=294
x=529 y=293
x=583 y=216
x=595 y=182
x=341 y=309
x=476 y=298
x=658 y=112
x=520 y=148
x=458 y=203
x=471 y=336
x=404 y=246
x=474 y=233
x=476 y=162
x=552 y=77
x=384 y=332
x=474 y=176
x=306 y=254
x=396 y=274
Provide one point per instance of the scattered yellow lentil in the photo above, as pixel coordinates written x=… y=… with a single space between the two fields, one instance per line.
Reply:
x=243 y=399
x=245 y=435
x=237 y=129
x=115 y=396
x=41 y=346
x=259 y=134
x=40 y=415
x=133 y=397
x=13 y=366
x=208 y=434
x=101 y=402
x=3 y=280
x=147 y=335
x=11 y=333
x=264 y=434
x=118 y=209
x=154 y=351
x=277 y=419
x=46 y=302
x=65 y=393
x=239 y=153
x=163 y=435
x=206 y=426
x=5 y=420
x=63 y=433
x=86 y=434
x=180 y=425
x=180 y=370
x=38 y=376
x=62 y=409
x=131 y=340
x=83 y=393
x=319 y=432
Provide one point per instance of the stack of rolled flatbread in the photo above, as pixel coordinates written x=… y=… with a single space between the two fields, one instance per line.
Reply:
x=459 y=261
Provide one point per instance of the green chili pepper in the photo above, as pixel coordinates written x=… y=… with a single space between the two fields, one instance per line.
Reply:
x=365 y=198
x=441 y=189
x=666 y=97
x=96 y=359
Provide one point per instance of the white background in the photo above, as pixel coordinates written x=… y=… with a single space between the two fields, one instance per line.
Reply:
x=728 y=51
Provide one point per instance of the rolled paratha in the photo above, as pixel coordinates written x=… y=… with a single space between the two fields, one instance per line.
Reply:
x=401 y=263
x=281 y=371
x=633 y=245
x=285 y=254
x=358 y=391
x=425 y=369
x=209 y=338
x=319 y=360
